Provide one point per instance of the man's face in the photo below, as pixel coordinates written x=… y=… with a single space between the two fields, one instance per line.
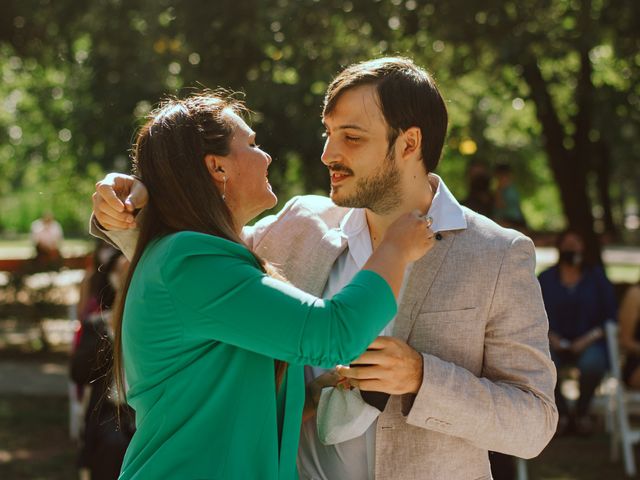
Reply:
x=364 y=172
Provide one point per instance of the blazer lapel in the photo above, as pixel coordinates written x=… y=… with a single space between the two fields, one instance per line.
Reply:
x=417 y=286
x=315 y=272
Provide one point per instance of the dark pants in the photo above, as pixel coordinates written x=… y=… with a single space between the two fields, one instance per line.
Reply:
x=592 y=364
x=503 y=467
x=106 y=444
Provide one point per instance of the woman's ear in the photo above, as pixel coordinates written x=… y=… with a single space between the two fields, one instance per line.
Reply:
x=214 y=164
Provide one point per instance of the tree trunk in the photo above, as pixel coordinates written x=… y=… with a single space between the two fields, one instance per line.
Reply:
x=602 y=169
x=569 y=167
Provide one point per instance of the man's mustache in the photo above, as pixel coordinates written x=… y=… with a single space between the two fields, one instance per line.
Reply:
x=338 y=168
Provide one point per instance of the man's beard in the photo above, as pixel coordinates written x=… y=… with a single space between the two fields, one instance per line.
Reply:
x=379 y=192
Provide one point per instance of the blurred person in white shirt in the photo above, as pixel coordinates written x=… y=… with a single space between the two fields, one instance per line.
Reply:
x=47 y=236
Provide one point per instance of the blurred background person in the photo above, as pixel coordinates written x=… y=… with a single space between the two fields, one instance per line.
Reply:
x=506 y=208
x=479 y=198
x=579 y=299
x=47 y=236
x=104 y=440
x=629 y=319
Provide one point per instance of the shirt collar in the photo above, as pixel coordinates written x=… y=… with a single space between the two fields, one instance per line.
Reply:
x=446 y=212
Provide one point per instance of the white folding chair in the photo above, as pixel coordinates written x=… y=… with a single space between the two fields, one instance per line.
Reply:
x=621 y=403
x=521 y=469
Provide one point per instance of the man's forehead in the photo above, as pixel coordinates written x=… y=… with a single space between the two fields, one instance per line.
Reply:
x=358 y=106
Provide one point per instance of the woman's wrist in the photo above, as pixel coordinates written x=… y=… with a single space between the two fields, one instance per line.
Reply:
x=596 y=333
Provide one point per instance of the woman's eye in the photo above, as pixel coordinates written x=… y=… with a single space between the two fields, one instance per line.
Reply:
x=255 y=145
x=352 y=139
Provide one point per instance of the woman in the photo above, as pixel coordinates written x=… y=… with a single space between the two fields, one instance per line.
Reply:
x=213 y=345
x=578 y=299
x=103 y=440
x=629 y=319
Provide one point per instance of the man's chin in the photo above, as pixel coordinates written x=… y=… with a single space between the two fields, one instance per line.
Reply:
x=335 y=197
x=343 y=200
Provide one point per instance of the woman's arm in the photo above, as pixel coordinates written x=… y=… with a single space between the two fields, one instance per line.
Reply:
x=229 y=299
x=217 y=286
x=628 y=319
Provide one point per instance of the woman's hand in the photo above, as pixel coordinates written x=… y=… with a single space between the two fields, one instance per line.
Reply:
x=584 y=341
x=314 y=390
x=405 y=241
x=411 y=235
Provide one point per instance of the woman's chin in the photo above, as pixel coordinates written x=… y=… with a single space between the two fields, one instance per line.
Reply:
x=273 y=198
x=270 y=201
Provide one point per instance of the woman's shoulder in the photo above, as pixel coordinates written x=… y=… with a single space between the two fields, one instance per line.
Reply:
x=633 y=293
x=549 y=274
x=184 y=244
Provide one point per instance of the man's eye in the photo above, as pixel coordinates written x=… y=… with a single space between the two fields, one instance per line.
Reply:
x=352 y=139
x=325 y=135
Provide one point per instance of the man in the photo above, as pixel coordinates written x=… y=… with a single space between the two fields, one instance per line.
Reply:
x=507 y=211
x=47 y=236
x=466 y=360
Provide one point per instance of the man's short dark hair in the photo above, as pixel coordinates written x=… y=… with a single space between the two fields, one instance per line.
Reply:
x=408 y=98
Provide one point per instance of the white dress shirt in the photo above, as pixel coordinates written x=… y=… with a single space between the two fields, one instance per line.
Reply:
x=354 y=459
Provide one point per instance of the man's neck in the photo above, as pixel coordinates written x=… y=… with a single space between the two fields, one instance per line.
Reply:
x=418 y=199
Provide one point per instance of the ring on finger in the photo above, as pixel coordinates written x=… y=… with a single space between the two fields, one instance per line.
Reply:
x=429 y=221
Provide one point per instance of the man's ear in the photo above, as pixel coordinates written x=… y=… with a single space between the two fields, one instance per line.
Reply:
x=412 y=141
x=214 y=164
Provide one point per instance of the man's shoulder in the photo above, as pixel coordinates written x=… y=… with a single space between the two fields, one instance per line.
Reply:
x=315 y=206
x=485 y=233
x=304 y=216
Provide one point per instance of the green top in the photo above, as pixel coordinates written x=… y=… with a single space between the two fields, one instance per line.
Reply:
x=202 y=325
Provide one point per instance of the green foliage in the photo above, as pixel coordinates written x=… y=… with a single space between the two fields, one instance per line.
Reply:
x=78 y=76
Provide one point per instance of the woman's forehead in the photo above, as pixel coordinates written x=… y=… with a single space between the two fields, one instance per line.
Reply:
x=238 y=123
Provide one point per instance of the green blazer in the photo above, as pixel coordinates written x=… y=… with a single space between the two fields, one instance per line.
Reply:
x=202 y=326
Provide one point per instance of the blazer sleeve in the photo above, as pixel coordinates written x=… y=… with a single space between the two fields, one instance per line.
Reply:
x=510 y=408
x=123 y=240
x=224 y=296
x=254 y=234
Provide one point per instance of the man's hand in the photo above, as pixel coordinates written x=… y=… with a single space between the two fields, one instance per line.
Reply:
x=115 y=200
x=389 y=365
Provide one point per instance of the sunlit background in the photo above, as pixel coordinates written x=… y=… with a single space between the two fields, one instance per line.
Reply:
x=549 y=87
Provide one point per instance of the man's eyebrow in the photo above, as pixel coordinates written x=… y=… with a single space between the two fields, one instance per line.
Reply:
x=349 y=126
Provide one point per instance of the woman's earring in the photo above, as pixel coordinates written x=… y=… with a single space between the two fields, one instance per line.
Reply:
x=224 y=188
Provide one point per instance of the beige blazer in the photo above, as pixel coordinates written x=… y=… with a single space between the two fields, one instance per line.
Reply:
x=472 y=306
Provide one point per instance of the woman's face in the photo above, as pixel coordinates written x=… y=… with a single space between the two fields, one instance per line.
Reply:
x=248 y=192
x=573 y=243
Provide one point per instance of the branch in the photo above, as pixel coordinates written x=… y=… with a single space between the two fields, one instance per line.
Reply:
x=545 y=111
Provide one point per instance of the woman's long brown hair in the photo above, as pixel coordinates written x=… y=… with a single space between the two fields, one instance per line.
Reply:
x=168 y=157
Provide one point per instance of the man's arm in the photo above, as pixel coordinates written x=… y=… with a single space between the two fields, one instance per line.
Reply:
x=115 y=201
x=510 y=408
x=123 y=240
x=253 y=235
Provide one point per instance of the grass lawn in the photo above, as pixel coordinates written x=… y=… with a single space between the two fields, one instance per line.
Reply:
x=34 y=440
x=34 y=444
x=576 y=458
